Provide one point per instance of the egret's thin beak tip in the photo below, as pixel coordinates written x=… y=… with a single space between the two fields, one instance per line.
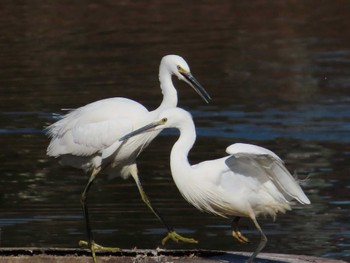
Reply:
x=206 y=97
x=191 y=80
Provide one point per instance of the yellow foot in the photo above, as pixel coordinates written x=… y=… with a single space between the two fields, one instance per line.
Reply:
x=238 y=235
x=94 y=247
x=176 y=237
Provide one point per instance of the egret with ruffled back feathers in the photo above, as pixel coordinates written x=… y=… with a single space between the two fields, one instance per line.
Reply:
x=88 y=137
x=249 y=182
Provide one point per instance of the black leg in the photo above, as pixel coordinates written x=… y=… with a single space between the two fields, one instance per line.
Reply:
x=262 y=242
x=86 y=212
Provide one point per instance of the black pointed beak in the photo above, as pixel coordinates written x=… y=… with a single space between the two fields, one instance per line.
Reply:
x=146 y=128
x=196 y=86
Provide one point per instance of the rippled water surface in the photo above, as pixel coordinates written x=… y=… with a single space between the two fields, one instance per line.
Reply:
x=279 y=76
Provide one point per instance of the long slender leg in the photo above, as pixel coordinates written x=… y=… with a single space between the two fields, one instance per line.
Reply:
x=262 y=242
x=86 y=213
x=171 y=233
x=236 y=233
x=91 y=243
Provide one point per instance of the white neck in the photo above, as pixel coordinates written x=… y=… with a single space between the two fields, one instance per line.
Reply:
x=180 y=166
x=168 y=90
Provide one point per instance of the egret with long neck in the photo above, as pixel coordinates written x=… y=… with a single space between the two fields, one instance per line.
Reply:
x=250 y=181
x=88 y=137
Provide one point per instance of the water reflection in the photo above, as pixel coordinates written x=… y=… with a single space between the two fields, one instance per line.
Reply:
x=278 y=75
x=322 y=122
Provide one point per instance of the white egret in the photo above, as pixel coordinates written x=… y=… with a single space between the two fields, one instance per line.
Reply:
x=88 y=137
x=250 y=181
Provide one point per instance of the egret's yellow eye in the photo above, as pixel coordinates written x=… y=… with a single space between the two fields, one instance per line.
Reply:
x=164 y=120
x=181 y=70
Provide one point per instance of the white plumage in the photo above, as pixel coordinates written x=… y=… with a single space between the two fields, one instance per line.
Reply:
x=88 y=137
x=250 y=181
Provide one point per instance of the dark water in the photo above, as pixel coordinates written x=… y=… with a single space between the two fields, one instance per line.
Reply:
x=279 y=75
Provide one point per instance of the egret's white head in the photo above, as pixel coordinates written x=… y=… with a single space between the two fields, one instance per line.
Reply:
x=172 y=118
x=176 y=65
